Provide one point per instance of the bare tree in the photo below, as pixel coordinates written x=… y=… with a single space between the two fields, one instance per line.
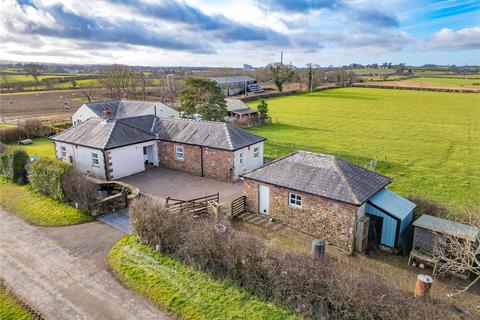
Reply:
x=115 y=78
x=88 y=92
x=33 y=70
x=458 y=255
x=280 y=74
x=311 y=76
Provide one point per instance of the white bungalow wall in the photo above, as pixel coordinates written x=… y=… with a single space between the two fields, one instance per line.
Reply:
x=82 y=114
x=81 y=158
x=130 y=159
x=249 y=161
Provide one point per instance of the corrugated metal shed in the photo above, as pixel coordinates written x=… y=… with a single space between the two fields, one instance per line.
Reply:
x=460 y=230
x=397 y=214
x=233 y=79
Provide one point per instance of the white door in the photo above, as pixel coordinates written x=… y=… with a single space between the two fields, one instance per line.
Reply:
x=263 y=199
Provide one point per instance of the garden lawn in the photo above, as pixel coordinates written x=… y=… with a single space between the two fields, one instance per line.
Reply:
x=40 y=147
x=179 y=289
x=431 y=140
x=37 y=208
x=13 y=309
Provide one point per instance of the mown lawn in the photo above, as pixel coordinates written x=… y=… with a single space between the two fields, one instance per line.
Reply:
x=13 y=309
x=179 y=289
x=40 y=147
x=430 y=140
x=37 y=208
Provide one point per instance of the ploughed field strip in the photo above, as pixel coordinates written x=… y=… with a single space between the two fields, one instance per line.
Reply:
x=118 y=221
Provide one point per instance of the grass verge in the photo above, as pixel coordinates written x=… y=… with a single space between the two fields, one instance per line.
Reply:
x=181 y=290
x=37 y=208
x=12 y=308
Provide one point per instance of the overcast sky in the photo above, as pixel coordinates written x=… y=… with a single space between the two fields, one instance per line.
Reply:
x=231 y=33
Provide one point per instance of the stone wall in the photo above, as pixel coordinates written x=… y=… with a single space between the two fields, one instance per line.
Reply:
x=323 y=218
x=110 y=204
x=217 y=164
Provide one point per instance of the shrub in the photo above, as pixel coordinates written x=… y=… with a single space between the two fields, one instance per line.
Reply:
x=13 y=134
x=315 y=288
x=79 y=189
x=46 y=176
x=32 y=127
x=12 y=165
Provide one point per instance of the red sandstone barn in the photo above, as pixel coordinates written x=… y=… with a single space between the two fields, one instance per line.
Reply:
x=327 y=197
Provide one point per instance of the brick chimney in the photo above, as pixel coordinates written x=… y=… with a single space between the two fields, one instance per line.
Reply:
x=106 y=113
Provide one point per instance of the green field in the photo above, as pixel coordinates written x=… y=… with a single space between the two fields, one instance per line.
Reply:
x=372 y=70
x=449 y=80
x=430 y=140
x=183 y=291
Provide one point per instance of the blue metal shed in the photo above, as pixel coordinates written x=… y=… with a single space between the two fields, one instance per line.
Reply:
x=396 y=213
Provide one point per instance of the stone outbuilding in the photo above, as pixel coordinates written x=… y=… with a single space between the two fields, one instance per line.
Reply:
x=318 y=194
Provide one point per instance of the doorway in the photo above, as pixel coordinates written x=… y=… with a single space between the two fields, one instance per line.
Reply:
x=263 y=199
x=374 y=231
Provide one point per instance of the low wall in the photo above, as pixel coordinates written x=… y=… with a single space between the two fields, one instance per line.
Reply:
x=109 y=204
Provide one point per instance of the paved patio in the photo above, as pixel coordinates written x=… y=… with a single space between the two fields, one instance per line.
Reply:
x=162 y=182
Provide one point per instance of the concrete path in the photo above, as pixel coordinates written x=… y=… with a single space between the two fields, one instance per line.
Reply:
x=61 y=272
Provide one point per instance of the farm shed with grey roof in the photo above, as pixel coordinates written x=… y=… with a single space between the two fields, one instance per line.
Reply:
x=233 y=85
x=324 y=196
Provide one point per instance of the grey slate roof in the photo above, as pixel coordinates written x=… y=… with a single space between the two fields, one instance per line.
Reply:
x=233 y=79
x=121 y=109
x=459 y=230
x=205 y=133
x=102 y=134
x=238 y=106
x=322 y=175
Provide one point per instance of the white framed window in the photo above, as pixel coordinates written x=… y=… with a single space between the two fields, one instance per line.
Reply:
x=95 y=159
x=256 y=152
x=64 y=152
x=240 y=158
x=295 y=200
x=179 y=153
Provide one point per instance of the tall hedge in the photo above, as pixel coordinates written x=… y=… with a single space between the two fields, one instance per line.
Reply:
x=46 y=176
x=12 y=165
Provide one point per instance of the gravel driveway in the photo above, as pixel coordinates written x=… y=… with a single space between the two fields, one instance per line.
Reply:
x=61 y=272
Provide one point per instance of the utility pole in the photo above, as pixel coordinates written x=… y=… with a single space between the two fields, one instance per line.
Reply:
x=281 y=57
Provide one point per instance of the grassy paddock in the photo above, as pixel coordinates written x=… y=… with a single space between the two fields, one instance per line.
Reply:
x=449 y=80
x=430 y=140
x=179 y=289
x=37 y=208
x=12 y=308
x=40 y=147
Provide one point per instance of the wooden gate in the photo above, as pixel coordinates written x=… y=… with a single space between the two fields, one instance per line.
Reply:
x=239 y=206
x=197 y=206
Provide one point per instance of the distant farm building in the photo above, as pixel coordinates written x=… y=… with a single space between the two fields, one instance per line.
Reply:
x=237 y=85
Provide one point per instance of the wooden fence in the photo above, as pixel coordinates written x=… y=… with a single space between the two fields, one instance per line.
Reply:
x=239 y=206
x=197 y=206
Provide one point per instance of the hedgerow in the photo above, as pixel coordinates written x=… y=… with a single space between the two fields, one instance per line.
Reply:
x=46 y=176
x=12 y=165
x=315 y=288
